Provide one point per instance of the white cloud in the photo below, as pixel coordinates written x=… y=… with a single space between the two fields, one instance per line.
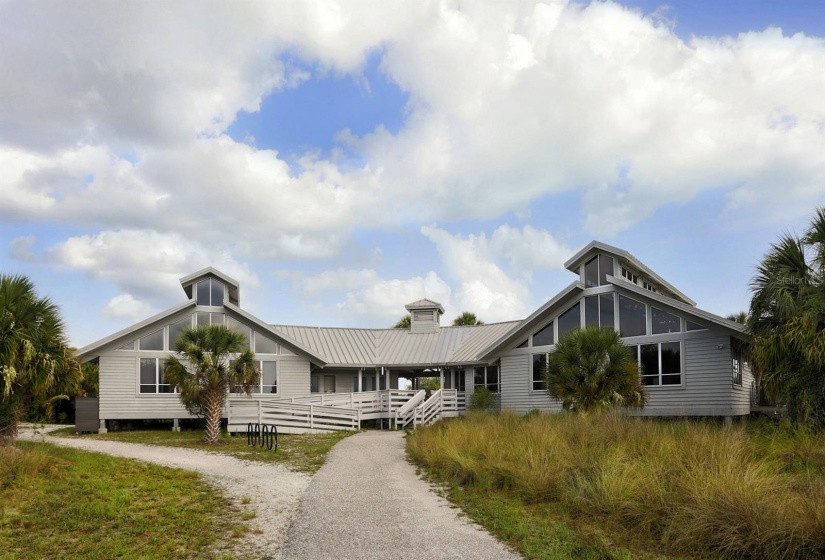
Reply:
x=114 y=118
x=145 y=263
x=126 y=308
x=484 y=288
x=383 y=301
x=20 y=248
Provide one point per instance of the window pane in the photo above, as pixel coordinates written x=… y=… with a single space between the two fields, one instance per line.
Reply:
x=606 y=311
x=202 y=297
x=671 y=379
x=492 y=375
x=545 y=336
x=605 y=269
x=202 y=319
x=664 y=322
x=265 y=345
x=216 y=318
x=478 y=376
x=148 y=373
x=591 y=311
x=571 y=319
x=649 y=360
x=269 y=379
x=591 y=273
x=671 y=358
x=175 y=330
x=538 y=372
x=691 y=326
x=632 y=317
x=217 y=292
x=240 y=328
x=314 y=384
x=152 y=341
x=522 y=345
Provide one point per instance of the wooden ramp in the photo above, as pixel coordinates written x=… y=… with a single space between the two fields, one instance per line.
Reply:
x=318 y=413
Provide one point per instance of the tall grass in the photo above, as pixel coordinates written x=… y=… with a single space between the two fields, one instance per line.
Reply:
x=683 y=487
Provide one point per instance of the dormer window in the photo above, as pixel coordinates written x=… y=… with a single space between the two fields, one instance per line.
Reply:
x=649 y=286
x=209 y=292
x=596 y=271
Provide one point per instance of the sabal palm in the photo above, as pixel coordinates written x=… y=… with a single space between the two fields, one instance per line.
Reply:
x=787 y=321
x=210 y=362
x=467 y=318
x=591 y=370
x=36 y=364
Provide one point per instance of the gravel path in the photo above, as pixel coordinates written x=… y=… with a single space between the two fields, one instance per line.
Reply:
x=367 y=503
x=274 y=490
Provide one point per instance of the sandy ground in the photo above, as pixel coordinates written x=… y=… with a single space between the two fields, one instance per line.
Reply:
x=274 y=491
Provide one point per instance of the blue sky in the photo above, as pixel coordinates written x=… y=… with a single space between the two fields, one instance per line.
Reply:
x=341 y=160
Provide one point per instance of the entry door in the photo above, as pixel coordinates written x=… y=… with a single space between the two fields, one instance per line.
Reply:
x=329 y=384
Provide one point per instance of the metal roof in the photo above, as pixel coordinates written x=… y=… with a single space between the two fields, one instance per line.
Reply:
x=352 y=347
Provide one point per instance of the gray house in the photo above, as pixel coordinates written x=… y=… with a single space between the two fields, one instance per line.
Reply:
x=317 y=378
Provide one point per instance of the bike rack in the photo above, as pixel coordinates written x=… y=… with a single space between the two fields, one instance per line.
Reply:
x=263 y=435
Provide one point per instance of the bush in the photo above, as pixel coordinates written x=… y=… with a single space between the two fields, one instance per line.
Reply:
x=482 y=399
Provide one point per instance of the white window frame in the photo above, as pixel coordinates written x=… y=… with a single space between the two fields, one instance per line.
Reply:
x=638 y=347
x=209 y=280
x=533 y=382
x=260 y=388
x=157 y=384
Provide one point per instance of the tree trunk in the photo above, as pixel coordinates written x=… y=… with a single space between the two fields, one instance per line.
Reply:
x=213 y=417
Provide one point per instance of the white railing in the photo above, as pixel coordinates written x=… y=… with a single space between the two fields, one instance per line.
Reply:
x=430 y=410
x=343 y=411
x=291 y=417
x=406 y=414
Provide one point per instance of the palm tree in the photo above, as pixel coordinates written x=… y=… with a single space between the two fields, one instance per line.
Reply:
x=210 y=362
x=467 y=318
x=404 y=322
x=37 y=367
x=787 y=321
x=591 y=370
x=741 y=317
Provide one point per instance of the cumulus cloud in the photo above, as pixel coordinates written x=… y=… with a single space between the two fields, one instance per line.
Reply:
x=126 y=308
x=20 y=248
x=384 y=300
x=146 y=264
x=114 y=119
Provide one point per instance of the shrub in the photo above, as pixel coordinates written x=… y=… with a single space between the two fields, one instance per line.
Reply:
x=482 y=399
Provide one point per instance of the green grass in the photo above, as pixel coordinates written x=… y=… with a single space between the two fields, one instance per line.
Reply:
x=299 y=452
x=608 y=486
x=62 y=503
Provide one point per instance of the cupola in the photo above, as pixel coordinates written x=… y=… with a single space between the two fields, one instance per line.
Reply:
x=425 y=316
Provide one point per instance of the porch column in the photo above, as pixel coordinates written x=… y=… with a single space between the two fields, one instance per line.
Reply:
x=441 y=377
x=377 y=380
x=360 y=380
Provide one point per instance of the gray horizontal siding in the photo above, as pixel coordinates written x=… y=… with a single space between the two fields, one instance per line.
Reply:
x=707 y=389
x=119 y=398
x=293 y=376
x=516 y=383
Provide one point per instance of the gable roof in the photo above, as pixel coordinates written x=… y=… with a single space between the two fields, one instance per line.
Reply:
x=576 y=260
x=91 y=351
